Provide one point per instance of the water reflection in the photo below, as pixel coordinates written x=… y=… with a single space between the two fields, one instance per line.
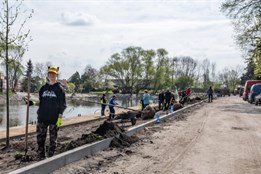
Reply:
x=75 y=108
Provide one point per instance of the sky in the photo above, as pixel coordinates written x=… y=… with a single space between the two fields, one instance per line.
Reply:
x=75 y=33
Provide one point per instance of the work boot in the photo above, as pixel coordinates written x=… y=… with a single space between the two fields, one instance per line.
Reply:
x=50 y=155
x=40 y=157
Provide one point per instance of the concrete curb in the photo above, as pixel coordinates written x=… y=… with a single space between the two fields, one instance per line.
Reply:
x=136 y=129
x=60 y=160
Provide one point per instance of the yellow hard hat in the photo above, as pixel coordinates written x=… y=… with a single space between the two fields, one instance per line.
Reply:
x=53 y=69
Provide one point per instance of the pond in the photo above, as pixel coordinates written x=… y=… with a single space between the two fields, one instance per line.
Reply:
x=18 y=111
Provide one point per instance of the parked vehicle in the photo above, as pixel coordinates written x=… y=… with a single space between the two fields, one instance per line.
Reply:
x=258 y=99
x=225 y=91
x=218 y=92
x=247 y=87
x=241 y=91
x=255 y=90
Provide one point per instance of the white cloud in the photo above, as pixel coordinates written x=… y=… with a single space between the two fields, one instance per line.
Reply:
x=189 y=28
x=78 y=19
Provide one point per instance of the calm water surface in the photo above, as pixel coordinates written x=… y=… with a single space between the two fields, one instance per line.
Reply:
x=18 y=111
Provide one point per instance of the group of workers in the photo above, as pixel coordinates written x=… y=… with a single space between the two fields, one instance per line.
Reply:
x=52 y=104
x=167 y=98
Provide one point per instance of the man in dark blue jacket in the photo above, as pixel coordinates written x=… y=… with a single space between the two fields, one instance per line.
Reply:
x=112 y=103
x=51 y=107
x=210 y=94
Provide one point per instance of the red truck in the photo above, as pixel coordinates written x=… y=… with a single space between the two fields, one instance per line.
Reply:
x=247 y=87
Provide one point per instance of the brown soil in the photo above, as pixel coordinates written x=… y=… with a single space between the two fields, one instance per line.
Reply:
x=109 y=129
x=68 y=138
x=123 y=141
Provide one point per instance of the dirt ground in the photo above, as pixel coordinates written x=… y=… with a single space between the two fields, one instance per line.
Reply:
x=220 y=137
x=69 y=137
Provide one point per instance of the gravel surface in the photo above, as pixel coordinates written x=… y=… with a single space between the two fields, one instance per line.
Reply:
x=220 y=137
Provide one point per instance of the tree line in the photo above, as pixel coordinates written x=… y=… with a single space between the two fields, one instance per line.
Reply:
x=134 y=69
x=246 y=18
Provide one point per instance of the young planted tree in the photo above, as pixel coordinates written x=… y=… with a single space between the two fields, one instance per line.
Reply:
x=28 y=76
x=11 y=35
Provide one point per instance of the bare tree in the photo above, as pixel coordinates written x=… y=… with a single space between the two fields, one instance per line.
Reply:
x=213 y=71
x=40 y=70
x=206 y=72
x=230 y=76
x=11 y=37
x=186 y=66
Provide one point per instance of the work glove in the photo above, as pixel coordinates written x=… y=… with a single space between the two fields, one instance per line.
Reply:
x=31 y=102
x=59 y=122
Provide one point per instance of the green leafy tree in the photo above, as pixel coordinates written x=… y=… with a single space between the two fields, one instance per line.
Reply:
x=246 y=17
x=70 y=87
x=15 y=72
x=106 y=83
x=183 y=82
x=89 y=79
x=76 y=80
x=132 y=56
x=35 y=84
x=125 y=68
x=161 y=65
x=148 y=73
x=249 y=72
x=256 y=55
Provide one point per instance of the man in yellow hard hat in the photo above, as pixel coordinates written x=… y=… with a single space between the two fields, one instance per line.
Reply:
x=52 y=104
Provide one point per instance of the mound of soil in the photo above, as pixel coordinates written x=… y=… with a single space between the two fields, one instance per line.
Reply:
x=129 y=114
x=148 y=112
x=198 y=98
x=123 y=141
x=177 y=106
x=85 y=139
x=109 y=129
